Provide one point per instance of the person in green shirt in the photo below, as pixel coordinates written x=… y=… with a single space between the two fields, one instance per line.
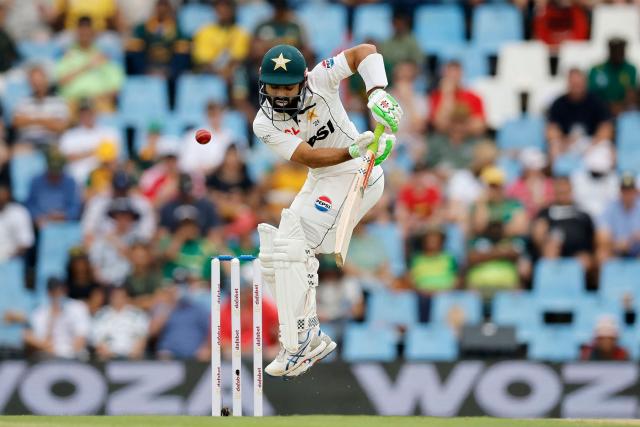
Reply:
x=402 y=46
x=615 y=80
x=433 y=269
x=85 y=72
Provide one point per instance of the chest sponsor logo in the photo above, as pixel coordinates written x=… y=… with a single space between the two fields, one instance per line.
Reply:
x=322 y=133
x=323 y=204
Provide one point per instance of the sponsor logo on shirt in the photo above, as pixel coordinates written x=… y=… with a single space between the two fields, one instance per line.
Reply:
x=328 y=63
x=323 y=203
x=292 y=131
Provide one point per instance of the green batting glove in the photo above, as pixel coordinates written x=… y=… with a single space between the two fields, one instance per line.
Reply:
x=364 y=140
x=385 y=109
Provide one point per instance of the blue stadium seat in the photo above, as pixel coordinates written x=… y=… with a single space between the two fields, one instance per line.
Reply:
x=236 y=122
x=14 y=91
x=193 y=16
x=619 y=277
x=489 y=36
x=562 y=278
x=38 y=51
x=455 y=243
x=629 y=159
x=438 y=26
x=251 y=14
x=326 y=26
x=372 y=21
x=469 y=302
x=554 y=345
x=627 y=129
x=527 y=131
x=111 y=46
x=53 y=251
x=474 y=61
x=144 y=99
x=630 y=340
x=566 y=164
x=392 y=308
x=511 y=167
x=391 y=236
x=193 y=92
x=23 y=168
x=365 y=343
x=427 y=342
x=514 y=308
x=13 y=296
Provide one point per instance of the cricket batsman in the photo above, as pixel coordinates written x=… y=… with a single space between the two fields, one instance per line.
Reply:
x=302 y=119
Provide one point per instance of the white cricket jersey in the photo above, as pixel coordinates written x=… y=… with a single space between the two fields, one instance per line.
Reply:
x=323 y=122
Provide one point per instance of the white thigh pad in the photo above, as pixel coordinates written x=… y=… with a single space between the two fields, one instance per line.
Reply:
x=295 y=270
x=267 y=233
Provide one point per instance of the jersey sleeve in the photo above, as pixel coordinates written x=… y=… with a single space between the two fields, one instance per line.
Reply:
x=326 y=75
x=283 y=144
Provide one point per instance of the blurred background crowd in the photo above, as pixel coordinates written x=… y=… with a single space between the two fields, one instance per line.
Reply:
x=511 y=210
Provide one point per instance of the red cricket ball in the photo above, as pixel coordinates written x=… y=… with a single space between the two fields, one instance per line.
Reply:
x=203 y=136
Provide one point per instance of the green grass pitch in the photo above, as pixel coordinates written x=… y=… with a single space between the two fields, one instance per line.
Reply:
x=299 y=421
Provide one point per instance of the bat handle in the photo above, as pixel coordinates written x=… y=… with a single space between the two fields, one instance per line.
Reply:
x=378 y=131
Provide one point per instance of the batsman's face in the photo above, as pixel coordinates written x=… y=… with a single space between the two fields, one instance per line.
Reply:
x=282 y=95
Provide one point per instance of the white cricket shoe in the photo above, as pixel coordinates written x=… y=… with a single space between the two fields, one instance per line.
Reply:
x=319 y=337
x=310 y=345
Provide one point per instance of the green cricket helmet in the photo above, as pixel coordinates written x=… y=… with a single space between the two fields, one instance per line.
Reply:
x=282 y=65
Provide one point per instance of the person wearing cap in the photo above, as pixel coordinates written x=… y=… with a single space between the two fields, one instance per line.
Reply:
x=16 y=230
x=451 y=97
x=618 y=228
x=534 y=189
x=53 y=195
x=615 y=80
x=39 y=119
x=96 y=220
x=596 y=184
x=79 y=144
x=100 y=178
x=59 y=327
x=605 y=346
x=170 y=213
x=577 y=119
x=563 y=229
x=109 y=253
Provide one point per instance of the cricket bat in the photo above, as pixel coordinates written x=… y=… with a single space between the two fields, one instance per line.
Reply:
x=351 y=206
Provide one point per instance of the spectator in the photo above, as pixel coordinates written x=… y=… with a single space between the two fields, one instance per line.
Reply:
x=433 y=269
x=145 y=277
x=615 y=80
x=577 y=119
x=494 y=207
x=597 y=184
x=562 y=229
x=339 y=299
x=402 y=46
x=80 y=280
x=231 y=186
x=184 y=250
x=8 y=51
x=40 y=118
x=270 y=324
x=27 y=19
x=204 y=159
x=109 y=253
x=557 y=21
x=160 y=182
x=16 y=231
x=53 y=196
x=100 y=178
x=79 y=144
x=84 y=71
x=452 y=99
x=419 y=200
x=618 y=229
x=219 y=48
x=96 y=220
x=605 y=345
x=453 y=149
x=119 y=330
x=282 y=28
x=60 y=326
x=181 y=325
x=156 y=146
x=534 y=189
x=104 y=14
x=185 y=204
x=157 y=46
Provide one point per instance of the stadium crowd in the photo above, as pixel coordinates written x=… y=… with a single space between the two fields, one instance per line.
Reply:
x=466 y=206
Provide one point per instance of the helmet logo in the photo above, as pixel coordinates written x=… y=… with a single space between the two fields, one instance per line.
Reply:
x=281 y=62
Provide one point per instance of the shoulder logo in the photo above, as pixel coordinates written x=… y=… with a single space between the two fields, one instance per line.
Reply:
x=323 y=204
x=328 y=63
